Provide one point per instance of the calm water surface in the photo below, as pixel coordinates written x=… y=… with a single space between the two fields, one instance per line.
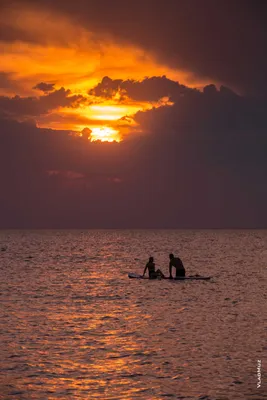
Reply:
x=73 y=326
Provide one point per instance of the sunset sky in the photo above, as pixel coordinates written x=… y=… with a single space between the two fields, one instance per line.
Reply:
x=133 y=114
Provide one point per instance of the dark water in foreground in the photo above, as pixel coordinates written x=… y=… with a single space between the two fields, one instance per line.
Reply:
x=73 y=326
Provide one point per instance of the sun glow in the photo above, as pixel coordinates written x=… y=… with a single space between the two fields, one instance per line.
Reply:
x=107 y=112
x=105 y=134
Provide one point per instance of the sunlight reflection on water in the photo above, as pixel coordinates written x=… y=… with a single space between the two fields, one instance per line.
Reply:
x=75 y=327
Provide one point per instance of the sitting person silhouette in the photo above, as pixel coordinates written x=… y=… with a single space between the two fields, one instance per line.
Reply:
x=152 y=273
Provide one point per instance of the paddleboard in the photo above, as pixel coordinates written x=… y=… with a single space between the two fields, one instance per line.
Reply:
x=181 y=278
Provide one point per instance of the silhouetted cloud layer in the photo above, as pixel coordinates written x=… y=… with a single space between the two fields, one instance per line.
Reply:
x=45 y=87
x=199 y=163
x=24 y=107
x=150 y=89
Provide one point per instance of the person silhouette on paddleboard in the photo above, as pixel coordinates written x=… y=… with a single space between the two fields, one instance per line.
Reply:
x=176 y=262
x=152 y=273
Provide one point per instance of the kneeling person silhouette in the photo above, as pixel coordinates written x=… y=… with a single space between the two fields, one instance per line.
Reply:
x=176 y=262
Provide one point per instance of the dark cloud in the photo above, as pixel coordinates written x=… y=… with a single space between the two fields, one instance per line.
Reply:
x=149 y=89
x=199 y=163
x=45 y=87
x=7 y=82
x=24 y=107
x=12 y=34
x=222 y=40
x=218 y=122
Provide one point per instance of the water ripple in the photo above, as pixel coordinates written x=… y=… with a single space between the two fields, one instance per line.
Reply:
x=73 y=326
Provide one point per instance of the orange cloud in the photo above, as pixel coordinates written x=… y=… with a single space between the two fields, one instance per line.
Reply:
x=53 y=52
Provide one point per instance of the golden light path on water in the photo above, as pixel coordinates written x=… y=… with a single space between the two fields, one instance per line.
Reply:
x=77 y=327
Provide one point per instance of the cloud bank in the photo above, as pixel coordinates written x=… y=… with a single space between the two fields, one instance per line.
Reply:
x=24 y=107
x=200 y=163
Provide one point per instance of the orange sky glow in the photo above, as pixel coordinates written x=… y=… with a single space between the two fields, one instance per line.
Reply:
x=75 y=59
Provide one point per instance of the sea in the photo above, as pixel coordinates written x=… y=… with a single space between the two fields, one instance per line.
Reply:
x=74 y=326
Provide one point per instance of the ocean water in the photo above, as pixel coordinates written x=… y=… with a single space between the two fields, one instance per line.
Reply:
x=74 y=326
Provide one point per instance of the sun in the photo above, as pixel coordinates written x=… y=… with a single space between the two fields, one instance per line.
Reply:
x=104 y=134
